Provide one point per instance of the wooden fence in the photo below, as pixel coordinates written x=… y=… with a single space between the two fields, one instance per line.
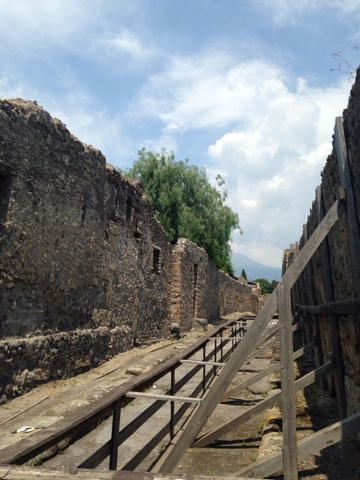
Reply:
x=296 y=311
x=282 y=301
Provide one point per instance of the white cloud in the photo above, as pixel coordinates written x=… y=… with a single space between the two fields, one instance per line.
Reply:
x=289 y=11
x=95 y=126
x=45 y=23
x=267 y=134
x=208 y=90
x=249 y=203
x=46 y=31
x=276 y=141
x=127 y=42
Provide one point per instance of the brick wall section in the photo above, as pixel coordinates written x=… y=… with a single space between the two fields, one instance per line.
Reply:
x=340 y=260
x=201 y=290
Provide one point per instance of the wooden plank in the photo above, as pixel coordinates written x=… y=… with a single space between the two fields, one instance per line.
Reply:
x=334 y=330
x=310 y=445
x=351 y=215
x=276 y=366
x=341 y=307
x=114 y=448
x=172 y=404
x=165 y=398
x=268 y=402
x=314 y=241
x=288 y=395
x=100 y=455
x=224 y=339
x=274 y=331
x=235 y=362
x=159 y=436
x=201 y=362
x=14 y=472
x=261 y=350
x=77 y=420
x=319 y=356
x=307 y=332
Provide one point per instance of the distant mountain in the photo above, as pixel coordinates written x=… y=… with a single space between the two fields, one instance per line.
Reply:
x=254 y=269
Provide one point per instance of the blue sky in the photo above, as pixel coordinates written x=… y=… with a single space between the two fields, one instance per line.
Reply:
x=241 y=87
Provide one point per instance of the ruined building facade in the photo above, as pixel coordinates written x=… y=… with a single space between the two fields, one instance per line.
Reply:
x=86 y=270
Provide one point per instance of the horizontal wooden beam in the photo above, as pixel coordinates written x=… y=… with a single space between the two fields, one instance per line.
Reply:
x=268 y=402
x=223 y=339
x=15 y=472
x=276 y=366
x=166 y=398
x=76 y=420
x=201 y=362
x=342 y=307
x=307 y=446
x=245 y=347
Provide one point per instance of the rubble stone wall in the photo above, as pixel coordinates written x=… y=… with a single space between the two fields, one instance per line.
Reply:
x=200 y=290
x=84 y=262
x=86 y=270
x=339 y=256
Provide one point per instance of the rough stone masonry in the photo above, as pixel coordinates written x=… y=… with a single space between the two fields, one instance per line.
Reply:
x=86 y=270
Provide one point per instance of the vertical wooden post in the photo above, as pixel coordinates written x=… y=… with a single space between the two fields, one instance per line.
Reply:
x=334 y=330
x=114 y=435
x=319 y=356
x=244 y=348
x=204 y=368
x=172 y=404
x=222 y=346
x=215 y=356
x=287 y=382
x=300 y=297
x=351 y=217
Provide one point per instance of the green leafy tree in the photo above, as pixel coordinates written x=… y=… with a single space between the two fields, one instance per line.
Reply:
x=266 y=286
x=243 y=273
x=186 y=204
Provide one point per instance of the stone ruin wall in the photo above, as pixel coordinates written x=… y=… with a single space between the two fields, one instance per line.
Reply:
x=86 y=271
x=202 y=291
x=340 y=260
x=77 y=252
x=238 y=292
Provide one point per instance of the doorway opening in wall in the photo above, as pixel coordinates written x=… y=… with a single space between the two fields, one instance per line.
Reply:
x=129 y=210
x=5 y=193
x=156 y=259
x=196 y=267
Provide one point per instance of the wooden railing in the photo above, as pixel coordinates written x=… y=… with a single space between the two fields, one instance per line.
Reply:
x=215 y=348
x=219 y=365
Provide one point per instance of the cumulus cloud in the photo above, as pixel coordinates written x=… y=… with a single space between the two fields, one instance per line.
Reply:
x=208 y=90
x=267 y=133
x=276 y=141
x=274 y=166
x=86 y=29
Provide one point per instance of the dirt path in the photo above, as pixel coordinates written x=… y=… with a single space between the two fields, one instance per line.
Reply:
x=48 y=403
